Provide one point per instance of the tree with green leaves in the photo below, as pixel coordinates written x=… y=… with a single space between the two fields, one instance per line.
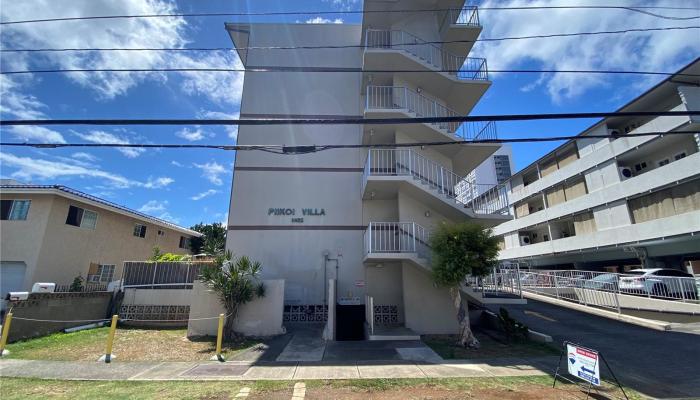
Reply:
x=213 y=240
x=461 y=250
x=235 y=281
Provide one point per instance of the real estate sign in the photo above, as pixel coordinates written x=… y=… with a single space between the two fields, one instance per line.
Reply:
x=583 y=363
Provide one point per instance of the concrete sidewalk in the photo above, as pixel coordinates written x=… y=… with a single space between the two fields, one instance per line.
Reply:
x=242 y=370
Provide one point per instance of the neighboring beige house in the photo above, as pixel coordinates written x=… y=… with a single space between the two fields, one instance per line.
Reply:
x=52 y=233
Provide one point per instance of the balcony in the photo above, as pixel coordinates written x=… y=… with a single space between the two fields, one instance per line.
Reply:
x=464 y=80
x=397 y=241
x=389 y=170
x=396 y=101
x=460 y=27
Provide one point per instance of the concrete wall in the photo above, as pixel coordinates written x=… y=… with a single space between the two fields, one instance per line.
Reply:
x=260 y=317
x=427 y=309
x=59 y=307
x=56 y=252
x=161 y=297
x=385 y=285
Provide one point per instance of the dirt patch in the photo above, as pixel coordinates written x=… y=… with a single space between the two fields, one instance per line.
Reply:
x=493 y=345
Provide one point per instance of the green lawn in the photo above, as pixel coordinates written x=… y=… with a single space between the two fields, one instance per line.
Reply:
x=491 y=347
x=130 y=344
x=476 y=388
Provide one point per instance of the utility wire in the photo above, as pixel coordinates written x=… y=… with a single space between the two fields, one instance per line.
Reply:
x=295 y=150
x=479 y=74
x=639 y=9
x=351 y=46
x=351 y=120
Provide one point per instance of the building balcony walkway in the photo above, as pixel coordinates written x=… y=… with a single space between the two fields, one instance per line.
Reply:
x=397 y=241
x=463 y=80
x=389 y=170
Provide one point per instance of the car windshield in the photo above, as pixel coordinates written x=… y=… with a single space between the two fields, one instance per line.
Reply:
x=636 y=273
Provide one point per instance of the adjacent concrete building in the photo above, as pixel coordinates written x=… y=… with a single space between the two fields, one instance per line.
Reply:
x=361 y=217
x=615 y=203
x=52 y=233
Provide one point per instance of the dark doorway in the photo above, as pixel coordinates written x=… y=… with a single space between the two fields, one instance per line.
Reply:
x=350 y=322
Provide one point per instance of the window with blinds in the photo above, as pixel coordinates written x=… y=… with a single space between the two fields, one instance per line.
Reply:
x=14 y=210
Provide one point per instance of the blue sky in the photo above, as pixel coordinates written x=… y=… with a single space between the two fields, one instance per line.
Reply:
x=189 y=186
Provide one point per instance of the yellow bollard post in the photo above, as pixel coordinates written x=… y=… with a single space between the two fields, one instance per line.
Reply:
x=5 y=332
x=110 y=339
x=220 y=338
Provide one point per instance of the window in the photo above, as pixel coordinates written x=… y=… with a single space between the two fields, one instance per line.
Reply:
x=102 y=274
x=663 y=162
x=140 y=230
x=15 y=209
x=642 y=165
x=161 y=233
x=80 y=217
x=679 y=156
x=184 y=242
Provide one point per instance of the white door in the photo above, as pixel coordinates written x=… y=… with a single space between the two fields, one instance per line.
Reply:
x=11 y=277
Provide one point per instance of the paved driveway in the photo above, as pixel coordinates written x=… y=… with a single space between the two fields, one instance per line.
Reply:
x=658 y=364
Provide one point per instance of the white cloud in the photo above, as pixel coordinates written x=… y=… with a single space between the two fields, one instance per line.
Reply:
x=153 y=206
x=321 y=20
x=30 y=133
x=204 y=194
x=166 y=216
x=212 y=171
x=103 y=137
x=222 y=88
x=193 y=135
x=344 y=5
x=231 y=130
x=177 y=164
x=653 y=51
x=16 y=104
x=85 y=156
x=29 y=168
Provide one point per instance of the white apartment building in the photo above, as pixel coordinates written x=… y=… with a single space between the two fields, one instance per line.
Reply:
x=614 y=203
x=361 y=217
x=493 y=171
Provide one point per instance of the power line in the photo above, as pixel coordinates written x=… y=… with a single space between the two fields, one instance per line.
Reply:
x=347 y=120
x=290 y=150
x=637 y=9
x=544 y=36
x=346 y=70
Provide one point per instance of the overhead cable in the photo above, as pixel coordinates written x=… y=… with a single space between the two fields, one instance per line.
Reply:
x=345 y=70
x=636 y=9
x=295 y=150
x=350 y=46
x=350 y=120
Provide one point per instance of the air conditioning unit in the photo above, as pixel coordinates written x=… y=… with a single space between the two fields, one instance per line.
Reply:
x=41 y=287
x=614 y=132
x=625 y=172
x=525 y=240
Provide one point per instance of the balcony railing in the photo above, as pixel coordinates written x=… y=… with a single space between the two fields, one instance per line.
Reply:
x=403 y=98
x=397 y=237
x=482 y=198
x=463 y=68
x=468 y=16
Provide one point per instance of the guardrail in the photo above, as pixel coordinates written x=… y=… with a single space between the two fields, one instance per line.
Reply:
x=481 y=198
x=467 y=15
x=397 y=237
x=162 y=274
x=403 y=98
x=463 y=68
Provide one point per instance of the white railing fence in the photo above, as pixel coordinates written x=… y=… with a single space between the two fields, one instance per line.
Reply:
x=466 y=68
x=403 y=98
x=162 y=274
x=397 y=237
x=468 y=15
x=491 y=199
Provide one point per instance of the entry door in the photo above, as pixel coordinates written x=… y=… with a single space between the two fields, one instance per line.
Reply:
x=11 y=277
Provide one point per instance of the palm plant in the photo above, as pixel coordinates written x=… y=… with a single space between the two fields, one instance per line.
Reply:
x=235 y=280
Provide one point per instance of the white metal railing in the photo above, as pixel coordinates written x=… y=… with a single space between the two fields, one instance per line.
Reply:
x=602 y=289
x=406 y=162
x=464 y=68
x=397 y=237
x=496 y=283
x=162 y=274
x=467 y=15
x=403 y=98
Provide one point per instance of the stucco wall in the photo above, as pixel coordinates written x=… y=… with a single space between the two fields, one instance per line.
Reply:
x=260 y=317
x=427 y=309
x=386 y=286
x=163 y=297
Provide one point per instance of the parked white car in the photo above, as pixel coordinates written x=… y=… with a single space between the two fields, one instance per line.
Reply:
x=659 y=282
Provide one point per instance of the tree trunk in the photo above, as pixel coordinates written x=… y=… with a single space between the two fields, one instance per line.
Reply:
x=465 y=337
x=231 y=311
